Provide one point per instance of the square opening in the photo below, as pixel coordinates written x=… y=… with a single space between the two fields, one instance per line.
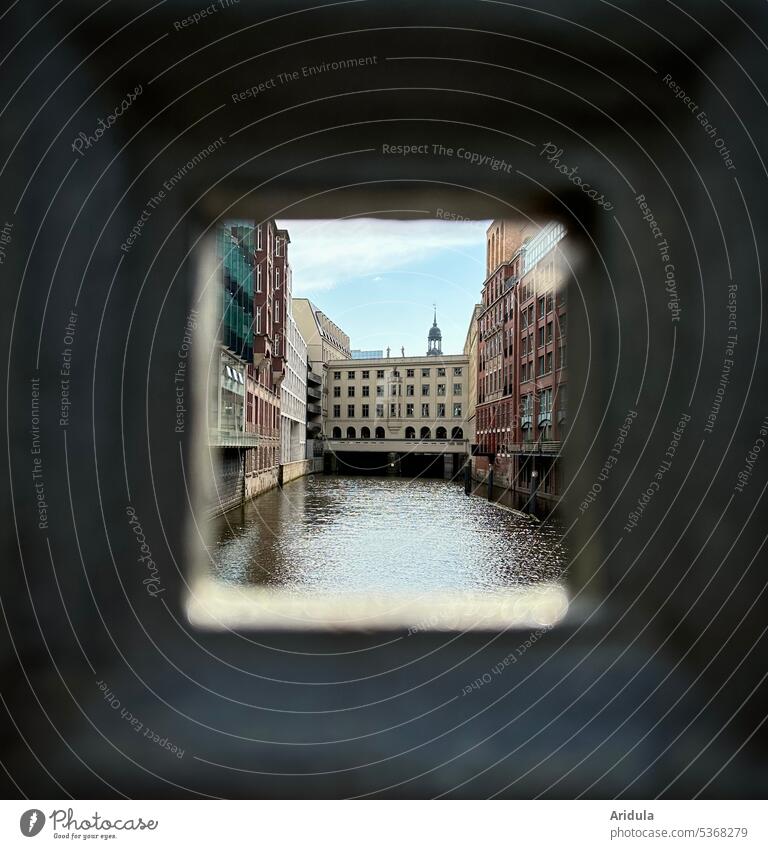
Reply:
x=386 y=409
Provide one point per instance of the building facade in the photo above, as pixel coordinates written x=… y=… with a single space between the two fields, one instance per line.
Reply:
x=471 y=352
x=522 y=362
x=326 y=342
x=398 y=398
x=245 y=385
x=293 y=389
x=357 y=354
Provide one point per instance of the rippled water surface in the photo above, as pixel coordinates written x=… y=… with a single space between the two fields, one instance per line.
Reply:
x=358 y=534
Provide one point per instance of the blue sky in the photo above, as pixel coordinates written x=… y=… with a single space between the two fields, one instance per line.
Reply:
x=377 y=279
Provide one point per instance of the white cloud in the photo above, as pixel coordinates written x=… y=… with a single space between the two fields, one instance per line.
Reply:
x=325 y=254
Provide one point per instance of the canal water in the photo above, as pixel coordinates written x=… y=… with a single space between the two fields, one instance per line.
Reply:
x=328 y=534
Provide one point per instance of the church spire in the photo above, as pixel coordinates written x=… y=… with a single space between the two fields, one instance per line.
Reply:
x=435 y=339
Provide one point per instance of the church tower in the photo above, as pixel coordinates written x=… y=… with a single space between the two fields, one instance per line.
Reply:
x=435 y=340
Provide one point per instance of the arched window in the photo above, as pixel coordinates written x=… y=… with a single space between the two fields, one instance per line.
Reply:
x=337 y=433
x=457 y=433
x=379 y=433
x=350 y=433
x=365 y=433
x=426 y=433
x=410 y=433
x=441 y=433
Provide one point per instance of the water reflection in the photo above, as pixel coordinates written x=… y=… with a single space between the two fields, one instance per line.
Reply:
x=364 y=535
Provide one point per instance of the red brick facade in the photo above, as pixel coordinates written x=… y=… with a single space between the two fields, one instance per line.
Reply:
x=522 y=375
x=262 y=414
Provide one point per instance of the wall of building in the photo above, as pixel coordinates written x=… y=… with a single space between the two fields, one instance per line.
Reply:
x=522 y=377
x=382 y=385
x=504 y=237
x=293 y=389
x=471 y=352
x=292 y=471
x=326 y=342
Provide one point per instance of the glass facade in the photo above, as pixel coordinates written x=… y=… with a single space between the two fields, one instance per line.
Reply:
x=235 y=243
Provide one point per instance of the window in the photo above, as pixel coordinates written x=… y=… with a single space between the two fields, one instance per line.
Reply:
x=365 y=412
x=541 y=307
x=337 y=375
x=277 y=279
x=258 y=238
x=337 y=411
x=441 y=372
x=351 y=411
x=425 y=389
x=425 y=372
x=350 y=391
x=458 y=370
x=395 y=373
x=562 y=324
x=441 y=388
x=410 y=389
x=549 y=362
x=393 y=410
x=563 y=356
x=425 y=411
x=380 y=391
x=337 y=392
x=541 y=337
x=278 y=246
x=277 y=310
x=366 y=374
x=562 y=399
x=457 y=411
x=457 y=389
x=549 y=331
x=394 y=389
x=350 y=375
x=258 y=277
x=380 y=372
x=409 y=410
x=541 y=365
x=380 y=411
x=366 y=391
x=409 y=372
x=258 y=320
x=549 y=302
x=441 y=411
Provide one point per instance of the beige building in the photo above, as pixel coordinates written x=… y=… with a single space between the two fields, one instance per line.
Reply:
x=471 y=352
x=326 y=342
x=398 y=398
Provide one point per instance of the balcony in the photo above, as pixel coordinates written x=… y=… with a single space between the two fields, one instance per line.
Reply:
x=314 y=377
x=313 y=392
x=221 y=438
x=314 y=409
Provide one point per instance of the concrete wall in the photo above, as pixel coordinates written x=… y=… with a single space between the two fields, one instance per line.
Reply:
x=257 y=483
x=298 y=469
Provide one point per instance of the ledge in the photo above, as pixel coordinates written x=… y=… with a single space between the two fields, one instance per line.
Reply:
x=212 y=605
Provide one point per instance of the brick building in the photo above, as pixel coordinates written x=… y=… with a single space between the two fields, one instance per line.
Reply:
x=522 y=376
x=244 y=389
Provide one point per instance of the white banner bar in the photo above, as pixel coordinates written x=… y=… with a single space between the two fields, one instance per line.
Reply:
x=385 y=824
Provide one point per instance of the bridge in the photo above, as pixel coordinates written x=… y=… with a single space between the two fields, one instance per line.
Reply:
x=444 y=458
x=398 y=446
